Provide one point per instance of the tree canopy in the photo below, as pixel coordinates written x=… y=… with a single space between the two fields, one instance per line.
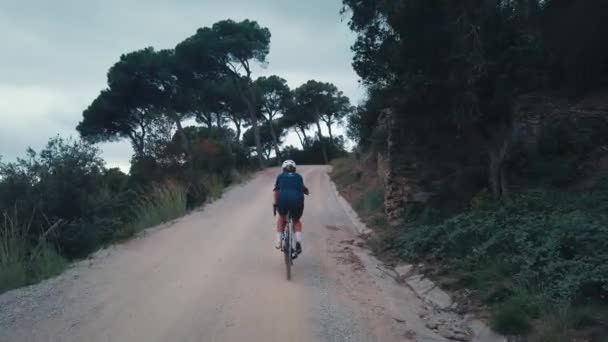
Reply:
x=138 y=85
x=208 y=76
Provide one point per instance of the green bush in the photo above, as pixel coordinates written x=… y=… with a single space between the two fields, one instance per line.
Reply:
x=313 y=153
x=214 y=185
x=162 y=204
x=342 y=172
x=370 y=201
x=67 y=182
x=46 y=262
x=23 y=262
x=510 y=319
x=554 y=243
x=513 y=316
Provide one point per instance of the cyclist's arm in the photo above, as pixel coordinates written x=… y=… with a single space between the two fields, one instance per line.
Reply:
x=275 y=191
x=304 y=188
x=277 y=186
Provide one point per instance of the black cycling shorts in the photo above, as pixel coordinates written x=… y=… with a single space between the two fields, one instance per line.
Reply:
x=296 y=212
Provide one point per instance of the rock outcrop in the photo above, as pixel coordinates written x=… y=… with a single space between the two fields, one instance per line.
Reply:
x=412 y=177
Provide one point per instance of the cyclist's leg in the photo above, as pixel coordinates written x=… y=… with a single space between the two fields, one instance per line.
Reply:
x=297 y=225
x=281 y=223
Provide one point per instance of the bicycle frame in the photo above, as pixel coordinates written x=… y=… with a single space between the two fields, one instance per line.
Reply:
x=288 y=246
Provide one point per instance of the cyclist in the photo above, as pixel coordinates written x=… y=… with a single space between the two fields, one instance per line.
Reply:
x=289 y=190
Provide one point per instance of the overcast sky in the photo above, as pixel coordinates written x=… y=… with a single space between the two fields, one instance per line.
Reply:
x=55 y=54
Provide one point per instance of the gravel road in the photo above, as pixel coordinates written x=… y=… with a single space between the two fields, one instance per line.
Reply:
x=215 y=276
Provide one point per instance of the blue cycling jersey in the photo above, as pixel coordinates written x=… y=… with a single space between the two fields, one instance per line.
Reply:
x=291 y=189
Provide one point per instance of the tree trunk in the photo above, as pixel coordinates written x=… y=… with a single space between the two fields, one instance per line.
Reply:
x=138 y=143
x=256 y=129
x=275 y=142
x=331 y=136
x=226 y=138
x=249 y=97
x=300 y=138
x=258 y=141
x=323 y=149
x=250 y=101
x=237 y=123
x=497 y=171
x=185 y=145
x=205 y=119
x=306 y=141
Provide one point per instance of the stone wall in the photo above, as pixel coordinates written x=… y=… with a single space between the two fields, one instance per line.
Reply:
x=410 y=178
x=402 y=181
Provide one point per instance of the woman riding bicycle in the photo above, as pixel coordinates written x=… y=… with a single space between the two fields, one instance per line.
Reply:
x=289 y=190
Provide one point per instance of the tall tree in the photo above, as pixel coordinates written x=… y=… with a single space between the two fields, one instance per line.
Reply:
x=266 y=137
x=274 y=98
x=337 y=109
x=297 y=118
x=232 y=106
x=128 y=108
x=240 y=43
x=313 y=99
x=231 y=46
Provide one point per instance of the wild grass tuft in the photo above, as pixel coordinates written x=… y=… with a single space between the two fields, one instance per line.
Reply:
x=24 y=260
x=162 y=204
x=215 y=186
x=342 y=172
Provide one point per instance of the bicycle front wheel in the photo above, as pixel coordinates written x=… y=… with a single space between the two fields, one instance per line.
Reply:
x=288 y=261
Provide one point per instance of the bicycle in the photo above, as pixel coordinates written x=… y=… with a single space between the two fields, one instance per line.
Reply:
x=288 y=245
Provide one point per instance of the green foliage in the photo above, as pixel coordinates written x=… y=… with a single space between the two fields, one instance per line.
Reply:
x=363 y=128
x=371 y=201
x=320 y=101
x=13 y=275
x=564 y=145
x=215 y=186
x=536 y=250
x=162 y=204
x=131 y=105
x=450 y=73
x=230 y=47
x=555 y=326
x=342 y=172
x=572 y=31
x=24 y=261
x=514 y=314
x=273 y=95
x=242 y=41
x=313 y=155
x=67 y=182
x=46 y=262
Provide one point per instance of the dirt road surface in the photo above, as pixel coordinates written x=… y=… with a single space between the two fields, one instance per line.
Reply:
x=215 y=276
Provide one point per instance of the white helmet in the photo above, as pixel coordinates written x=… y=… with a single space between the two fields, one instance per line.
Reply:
x=288 y=164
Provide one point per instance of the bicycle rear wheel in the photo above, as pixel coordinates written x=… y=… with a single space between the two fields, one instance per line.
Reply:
x=288 y=247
